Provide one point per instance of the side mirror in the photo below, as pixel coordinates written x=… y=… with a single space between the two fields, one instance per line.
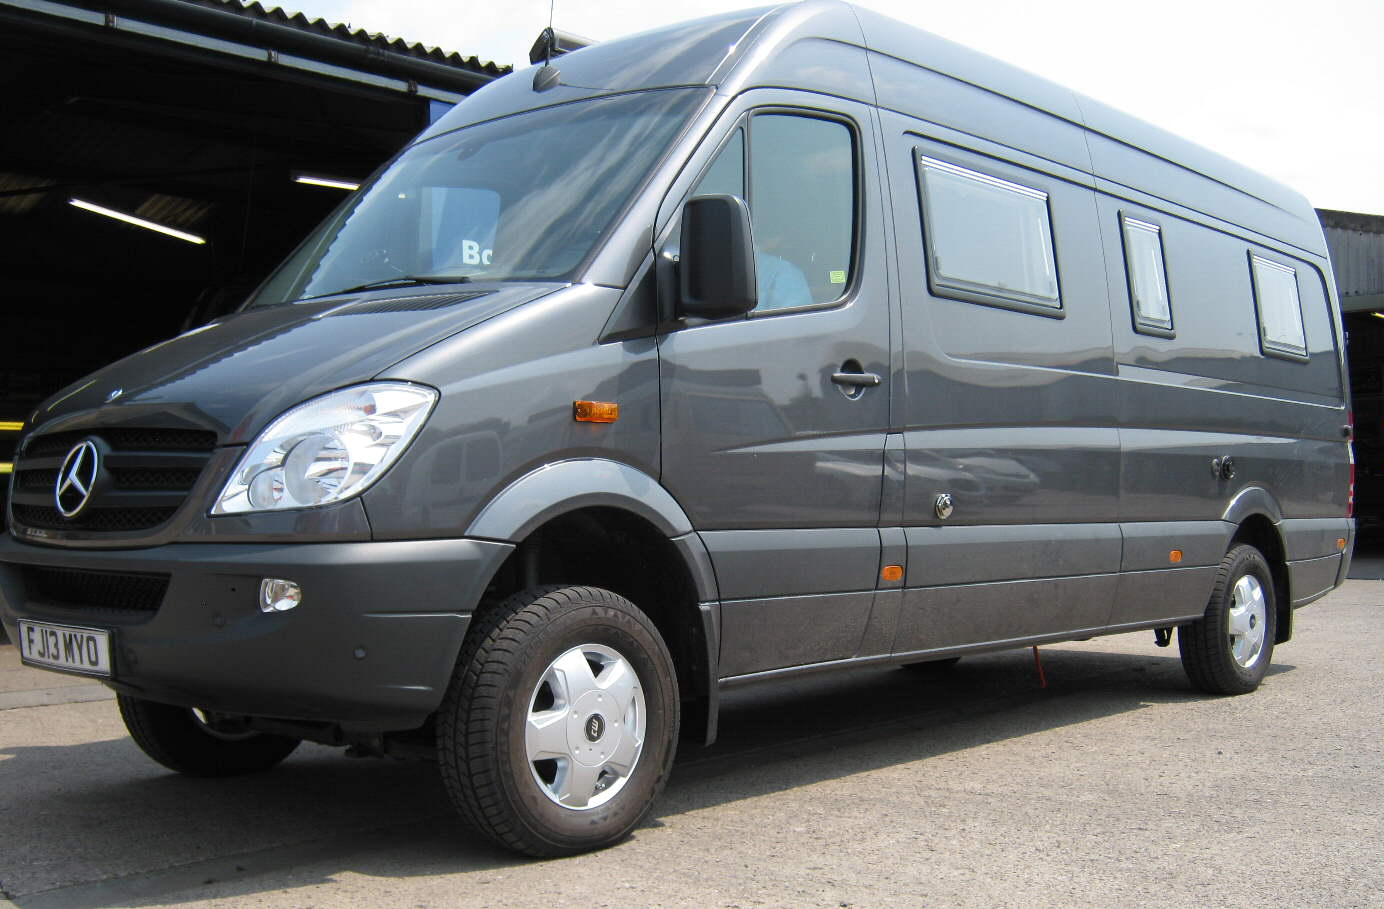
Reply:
x=716 y=273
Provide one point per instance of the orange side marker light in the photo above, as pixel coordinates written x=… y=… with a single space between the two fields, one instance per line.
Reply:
x=1175 y=556
x=595 y=411
x=892 y=573
x=1341 y=543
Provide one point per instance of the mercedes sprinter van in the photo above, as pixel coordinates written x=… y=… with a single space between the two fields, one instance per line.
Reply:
x=777 y=342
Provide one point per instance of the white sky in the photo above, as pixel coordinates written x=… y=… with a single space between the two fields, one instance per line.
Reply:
x=1292 y=88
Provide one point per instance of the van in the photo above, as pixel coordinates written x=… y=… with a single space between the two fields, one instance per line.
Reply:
x=774 y=343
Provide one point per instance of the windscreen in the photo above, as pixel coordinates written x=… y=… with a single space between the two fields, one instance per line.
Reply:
x=526 y=197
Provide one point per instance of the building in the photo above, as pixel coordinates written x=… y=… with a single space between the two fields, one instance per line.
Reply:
x=1356 y=242
x=198 y=117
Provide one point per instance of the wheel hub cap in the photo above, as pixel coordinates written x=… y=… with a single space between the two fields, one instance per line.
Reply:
x=585 y=727
x=1248 y=614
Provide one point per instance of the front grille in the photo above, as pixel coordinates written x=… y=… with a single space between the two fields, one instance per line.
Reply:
x=111 y=594
x=110 y=519
x=154 y=478
x=124 y=439
x=146 y=474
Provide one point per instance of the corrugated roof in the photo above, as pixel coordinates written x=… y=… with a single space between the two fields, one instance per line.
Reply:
x=377 y=40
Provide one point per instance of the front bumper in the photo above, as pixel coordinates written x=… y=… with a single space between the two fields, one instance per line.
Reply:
x=371 y=647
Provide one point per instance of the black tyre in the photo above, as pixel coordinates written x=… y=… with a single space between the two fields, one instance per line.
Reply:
x=200 y=744
x=560 y=723
x=1229 y=650
x=933 y=667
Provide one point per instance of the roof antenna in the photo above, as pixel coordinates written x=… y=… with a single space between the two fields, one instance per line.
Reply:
x=549 y=76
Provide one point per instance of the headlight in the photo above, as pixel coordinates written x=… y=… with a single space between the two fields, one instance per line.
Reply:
x=328 y=449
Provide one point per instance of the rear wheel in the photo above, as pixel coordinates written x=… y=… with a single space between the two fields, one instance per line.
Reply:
x=198 y=743
x=1228 y=650
x=559 y=726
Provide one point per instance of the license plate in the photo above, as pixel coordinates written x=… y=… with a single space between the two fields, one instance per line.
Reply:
x=84 y=650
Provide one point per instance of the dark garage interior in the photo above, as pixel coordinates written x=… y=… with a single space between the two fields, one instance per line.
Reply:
x=195 y=115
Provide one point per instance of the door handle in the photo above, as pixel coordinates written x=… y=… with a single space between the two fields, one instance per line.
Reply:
x=856 y=379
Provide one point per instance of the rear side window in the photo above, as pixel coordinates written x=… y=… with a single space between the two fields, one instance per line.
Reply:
x=988 y=240
x=1148 y=277
x=1280 y=310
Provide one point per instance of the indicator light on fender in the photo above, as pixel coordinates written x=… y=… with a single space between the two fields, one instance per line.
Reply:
x=892 y=573
x=1341 y=543
x=1175 y=556
x=595 y=411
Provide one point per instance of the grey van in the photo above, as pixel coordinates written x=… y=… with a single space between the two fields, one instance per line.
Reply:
x=773 y=343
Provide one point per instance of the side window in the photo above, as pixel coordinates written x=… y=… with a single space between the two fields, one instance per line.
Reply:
x=802 y=200
x=1280 y=310
x=987 y=240
x=726 y=176
x=1148 y=277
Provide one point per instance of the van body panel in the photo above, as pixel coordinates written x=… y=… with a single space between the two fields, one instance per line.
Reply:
x=1205 y=265
x=1148 y=546
x=1311 y=579
x=502 y=417
x=1170 y=596
x=997 y=552
x=964 y=65
x=882 y=626
x=938 y=618
x=946 y=101
x=1137 y=154
x=757 y=563
x=1310 y=538
x=819 y=65
x=773 y=633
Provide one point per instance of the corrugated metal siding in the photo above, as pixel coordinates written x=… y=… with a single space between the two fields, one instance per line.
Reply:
x=377 y=40
x=1356 y=243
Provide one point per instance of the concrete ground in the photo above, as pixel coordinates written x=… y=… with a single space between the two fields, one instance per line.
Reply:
x=1117 y=785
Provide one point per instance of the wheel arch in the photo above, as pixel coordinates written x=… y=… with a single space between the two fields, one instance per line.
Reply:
x=1256 y=516
x=565 y=486
x=600 y=523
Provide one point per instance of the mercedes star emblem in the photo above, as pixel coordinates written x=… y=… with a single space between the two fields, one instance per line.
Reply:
x=76 y=479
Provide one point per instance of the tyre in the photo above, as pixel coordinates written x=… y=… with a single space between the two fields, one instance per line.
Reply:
x=933 y=667
x=200 y=744
x=1228 y=650
x=559 y=726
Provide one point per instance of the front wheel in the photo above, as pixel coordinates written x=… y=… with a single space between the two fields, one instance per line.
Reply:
x=1228 y=650
x=559 y=726
x=198 y=743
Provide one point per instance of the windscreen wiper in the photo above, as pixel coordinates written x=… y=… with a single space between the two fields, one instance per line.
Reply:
x=399 y=281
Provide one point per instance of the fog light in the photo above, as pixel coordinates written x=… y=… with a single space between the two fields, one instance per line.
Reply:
x=277 y=595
